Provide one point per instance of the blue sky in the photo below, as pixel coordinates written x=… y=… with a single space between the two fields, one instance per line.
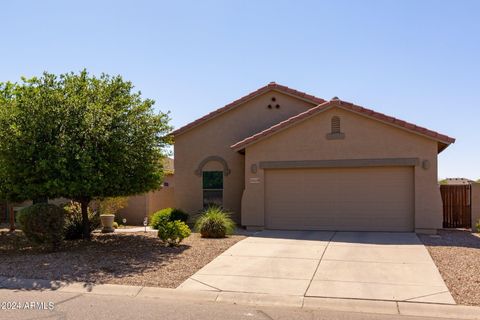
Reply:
x=415 y=60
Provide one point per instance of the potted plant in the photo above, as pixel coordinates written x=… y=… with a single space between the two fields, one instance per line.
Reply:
x=107 y=222
x=108 y=208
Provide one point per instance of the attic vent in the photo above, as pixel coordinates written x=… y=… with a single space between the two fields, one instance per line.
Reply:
x=335 y=133
x=335 y=124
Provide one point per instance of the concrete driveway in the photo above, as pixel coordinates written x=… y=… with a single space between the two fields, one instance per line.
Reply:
x=358 y=265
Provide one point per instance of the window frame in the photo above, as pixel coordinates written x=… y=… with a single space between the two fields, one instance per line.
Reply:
x=217 y=189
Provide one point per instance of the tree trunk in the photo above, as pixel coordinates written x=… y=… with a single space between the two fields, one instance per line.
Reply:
x=85 y=222
x=12 y=217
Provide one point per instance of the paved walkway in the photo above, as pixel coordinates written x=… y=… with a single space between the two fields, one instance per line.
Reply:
x=353 y=265
x=135 y=229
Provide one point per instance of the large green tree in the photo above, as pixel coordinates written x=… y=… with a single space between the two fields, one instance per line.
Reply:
x=79 y=137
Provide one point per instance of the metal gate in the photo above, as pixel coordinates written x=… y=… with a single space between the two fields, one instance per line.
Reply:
x=457 y=206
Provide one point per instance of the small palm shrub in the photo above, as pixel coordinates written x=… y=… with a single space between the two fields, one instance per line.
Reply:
x=73 y=221
x=477 y=226
x=173 y=232
x=165 y=215
x=43 y=224
x=214 y=223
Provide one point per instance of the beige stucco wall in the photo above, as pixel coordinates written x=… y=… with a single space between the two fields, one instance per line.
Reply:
x=135 y=211
x=475 y=205
x=163 y=198
x=365 y=139
x=145 y=204
x=214 y=137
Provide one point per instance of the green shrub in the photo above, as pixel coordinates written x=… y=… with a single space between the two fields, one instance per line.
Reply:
x=477 y=226
x=73 y=221
x=173 y=232
x=160 y=218
x=165 y=215
x=177 y=214
x=43 y=224
x=214 y=223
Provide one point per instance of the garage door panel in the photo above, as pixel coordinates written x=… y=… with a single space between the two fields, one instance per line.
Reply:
x=364 y=199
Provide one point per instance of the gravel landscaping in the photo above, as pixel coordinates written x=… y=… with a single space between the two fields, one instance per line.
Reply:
x=122 y=258
x=457 y=256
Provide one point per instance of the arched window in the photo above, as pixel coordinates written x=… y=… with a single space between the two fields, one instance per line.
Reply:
x=335 y=124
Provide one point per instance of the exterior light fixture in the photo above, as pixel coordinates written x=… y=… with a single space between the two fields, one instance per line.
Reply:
x=145 y=223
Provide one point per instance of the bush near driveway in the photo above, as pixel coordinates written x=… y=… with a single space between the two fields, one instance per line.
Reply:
x=173 y=232
x=43 y=224
x=165 y=215
x=214 y=223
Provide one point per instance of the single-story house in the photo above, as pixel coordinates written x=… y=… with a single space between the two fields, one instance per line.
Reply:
x=279 y=158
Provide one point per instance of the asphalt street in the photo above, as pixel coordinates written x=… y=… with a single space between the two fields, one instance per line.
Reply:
x=62 y=305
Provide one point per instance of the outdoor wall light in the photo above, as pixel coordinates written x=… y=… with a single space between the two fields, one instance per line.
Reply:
x=145 y=223
x=425 y=164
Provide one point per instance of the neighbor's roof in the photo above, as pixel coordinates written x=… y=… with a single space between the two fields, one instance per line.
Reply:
x=455 y=181
x=236 y=103
x=443 y=140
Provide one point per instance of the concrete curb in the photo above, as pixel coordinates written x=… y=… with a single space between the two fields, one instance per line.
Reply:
x=268 y=300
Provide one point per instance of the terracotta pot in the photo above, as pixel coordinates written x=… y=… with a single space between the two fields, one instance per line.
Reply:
x=107 y=222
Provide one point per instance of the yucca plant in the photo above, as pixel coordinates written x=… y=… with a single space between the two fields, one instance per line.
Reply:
x=214 y=223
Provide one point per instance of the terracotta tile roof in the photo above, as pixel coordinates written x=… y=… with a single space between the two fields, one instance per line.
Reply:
x=268 y=87
x=443 y=139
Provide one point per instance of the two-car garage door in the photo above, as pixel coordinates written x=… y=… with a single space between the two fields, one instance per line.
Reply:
x=355 y=199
